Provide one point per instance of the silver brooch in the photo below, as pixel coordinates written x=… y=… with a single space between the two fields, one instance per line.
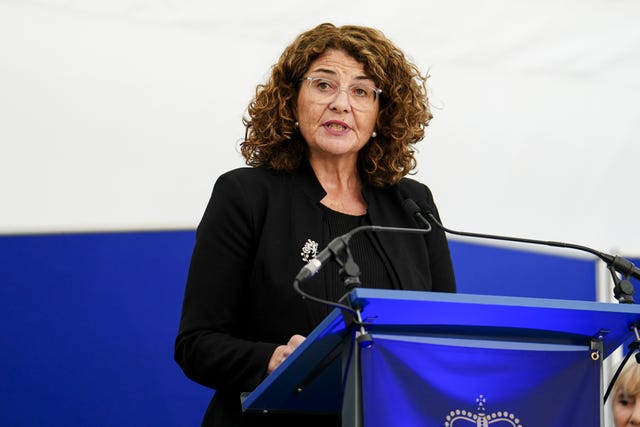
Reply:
x=309 y=250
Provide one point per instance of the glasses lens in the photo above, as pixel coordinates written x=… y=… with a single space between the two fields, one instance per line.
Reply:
x=362 y=93
x=323 y=87
x=360 y=96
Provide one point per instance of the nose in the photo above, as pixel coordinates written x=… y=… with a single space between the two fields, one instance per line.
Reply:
x=635 y=415
x=341 y=100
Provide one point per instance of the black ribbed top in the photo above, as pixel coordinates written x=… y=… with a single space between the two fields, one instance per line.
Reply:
x=373 y=273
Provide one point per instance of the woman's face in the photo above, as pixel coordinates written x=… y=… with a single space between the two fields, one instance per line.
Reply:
x=626 y=410
x=334 y=126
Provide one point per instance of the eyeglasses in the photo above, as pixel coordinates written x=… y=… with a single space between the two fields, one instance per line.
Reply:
x=362 y=97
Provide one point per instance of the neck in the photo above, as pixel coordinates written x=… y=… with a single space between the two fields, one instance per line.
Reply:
x=337 y=177
x=343 y=186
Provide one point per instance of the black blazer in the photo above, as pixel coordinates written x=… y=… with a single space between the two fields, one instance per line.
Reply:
x=239 y=303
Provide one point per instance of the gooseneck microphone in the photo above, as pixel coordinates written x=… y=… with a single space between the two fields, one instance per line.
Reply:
x=341 y=243
x=336 y=249
x=623 y=288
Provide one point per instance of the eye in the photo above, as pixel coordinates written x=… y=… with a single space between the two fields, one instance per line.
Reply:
x=626 y=400
x=361 y=91
x=324 y=85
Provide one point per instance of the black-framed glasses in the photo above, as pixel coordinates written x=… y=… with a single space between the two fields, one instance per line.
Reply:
x=362 y=97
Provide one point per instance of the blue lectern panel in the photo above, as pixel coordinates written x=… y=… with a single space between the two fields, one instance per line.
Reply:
x=309 y=380
x=436 y=382
x=515 y=318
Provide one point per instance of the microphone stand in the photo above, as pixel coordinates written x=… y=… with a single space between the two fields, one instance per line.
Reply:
x=350 y=275
x=352 y=379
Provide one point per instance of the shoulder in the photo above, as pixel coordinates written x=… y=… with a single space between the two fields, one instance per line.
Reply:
x=251 y=187
x=249 y=174
x=406 y=188
x=241 y=195
x=411 y=188
x=250 y=178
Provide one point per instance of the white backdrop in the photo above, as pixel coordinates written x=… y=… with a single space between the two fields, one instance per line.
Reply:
x=120 y=114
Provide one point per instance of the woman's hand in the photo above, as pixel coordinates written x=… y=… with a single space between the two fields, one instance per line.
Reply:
x=283 y=351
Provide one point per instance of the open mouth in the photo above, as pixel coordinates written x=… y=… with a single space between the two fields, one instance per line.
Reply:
x=336 y=126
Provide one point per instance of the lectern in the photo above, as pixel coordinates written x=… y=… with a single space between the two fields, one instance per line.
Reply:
x=453 y=360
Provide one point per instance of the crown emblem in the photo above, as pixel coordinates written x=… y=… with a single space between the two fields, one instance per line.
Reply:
x=464 y=418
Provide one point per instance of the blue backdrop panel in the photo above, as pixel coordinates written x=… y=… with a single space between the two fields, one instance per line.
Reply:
x=491 y=270
x=491 y=383
x=88 y=323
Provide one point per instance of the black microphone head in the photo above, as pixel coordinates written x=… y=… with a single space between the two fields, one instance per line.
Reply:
x=411 y=207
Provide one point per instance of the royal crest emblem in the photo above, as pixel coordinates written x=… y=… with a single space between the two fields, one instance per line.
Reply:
x=464 y=418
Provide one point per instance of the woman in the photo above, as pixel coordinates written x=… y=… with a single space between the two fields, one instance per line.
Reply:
x=626 y=396
x=329 y=139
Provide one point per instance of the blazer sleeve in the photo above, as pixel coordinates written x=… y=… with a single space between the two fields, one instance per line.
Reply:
x=207 y=347
x=440 y=264
x=442 y=272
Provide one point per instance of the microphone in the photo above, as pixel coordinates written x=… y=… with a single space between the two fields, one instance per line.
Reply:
x=623 y=289
x=414 y=210
x=341 y=243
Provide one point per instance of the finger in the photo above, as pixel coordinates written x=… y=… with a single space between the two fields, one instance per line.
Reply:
x=296 y=340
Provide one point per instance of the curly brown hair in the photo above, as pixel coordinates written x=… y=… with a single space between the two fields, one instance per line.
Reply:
x=272 y=138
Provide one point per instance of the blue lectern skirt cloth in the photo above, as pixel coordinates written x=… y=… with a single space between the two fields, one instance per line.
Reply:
x=417 y=381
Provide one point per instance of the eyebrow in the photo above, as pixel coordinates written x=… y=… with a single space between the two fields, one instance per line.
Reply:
x=333 y=73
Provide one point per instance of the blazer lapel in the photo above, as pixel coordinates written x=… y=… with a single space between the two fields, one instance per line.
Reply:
x=307 y=233
x=401 y=249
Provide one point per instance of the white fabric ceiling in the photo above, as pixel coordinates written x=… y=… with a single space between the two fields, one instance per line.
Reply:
x=120 y=114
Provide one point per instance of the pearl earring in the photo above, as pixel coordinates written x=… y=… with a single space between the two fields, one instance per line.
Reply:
x=296 y=124
x=374 y=134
